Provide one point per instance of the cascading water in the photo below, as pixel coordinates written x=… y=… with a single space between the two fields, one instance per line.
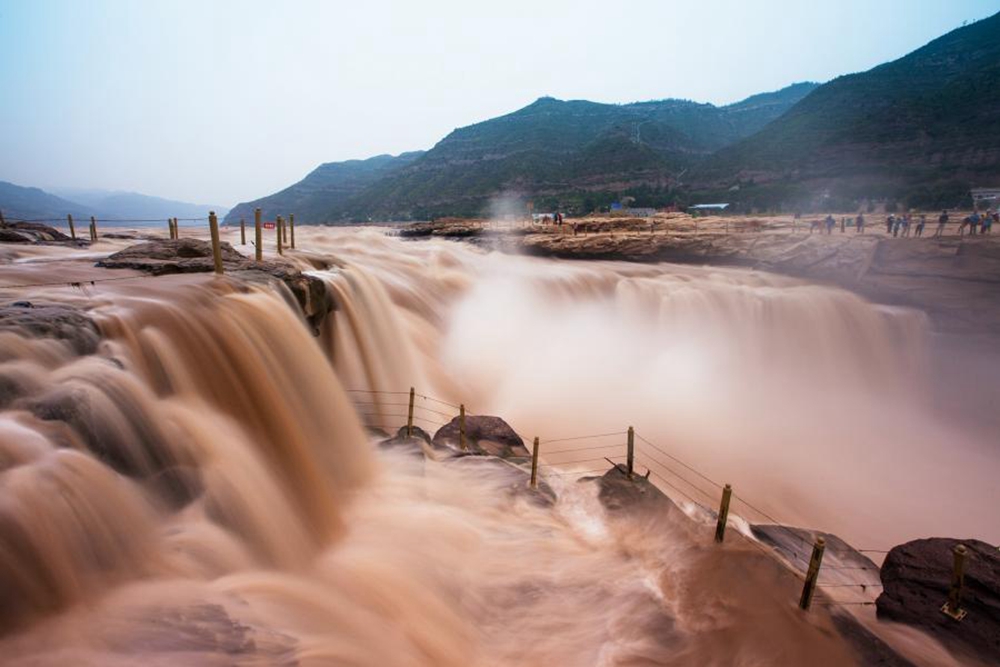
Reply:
x=200 y=490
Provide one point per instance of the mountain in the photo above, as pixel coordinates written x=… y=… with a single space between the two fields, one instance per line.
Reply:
x=922 y=129
x=322 y=193
x=551 y=148
x=21 y=203
x=116 y=204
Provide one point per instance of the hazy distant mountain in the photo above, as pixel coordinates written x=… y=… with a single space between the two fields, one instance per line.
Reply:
x=116 y=204
x=322 y=193
x=23 y=203
x=922 y=129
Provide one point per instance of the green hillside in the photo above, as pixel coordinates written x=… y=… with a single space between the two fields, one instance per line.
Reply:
x=922 y=130
x=320 y=196
x=571 y=151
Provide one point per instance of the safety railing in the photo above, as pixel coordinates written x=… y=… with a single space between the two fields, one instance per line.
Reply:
x=850 y=582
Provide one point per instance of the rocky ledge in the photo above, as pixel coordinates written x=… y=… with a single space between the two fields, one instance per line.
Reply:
x=917 y=580
x=190 y=255
x=37 y=234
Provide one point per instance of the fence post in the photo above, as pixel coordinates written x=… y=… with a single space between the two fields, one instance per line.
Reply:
x=284 y=232
x=291 y=225
x=409 y=416
x=461 y=419
x=69 y=219
x=631 y=451
x=170 y=228
x=243 y=232
x=720 y=526
x=953 y=606
x=177 y=230
x=258 y=241
x=279 y=226
x=812 y=575
x=213 y=226
x=2 y=223
x=93 y=229
x=534 y=464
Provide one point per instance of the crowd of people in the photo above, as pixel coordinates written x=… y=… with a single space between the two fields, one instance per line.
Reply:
x=910 y=224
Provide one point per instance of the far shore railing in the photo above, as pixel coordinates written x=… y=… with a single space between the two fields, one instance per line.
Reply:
x=627 y=451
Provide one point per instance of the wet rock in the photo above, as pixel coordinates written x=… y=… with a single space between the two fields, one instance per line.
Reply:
x=198 y=633
x=36 y=233
x=620 y=493
x=165 y=256
x=483 y=435
x=52 y=321
x=190 y=255
x=516 y=478
x=917 y=579
x=413 y=443
x=842 y=563
x=868 y=648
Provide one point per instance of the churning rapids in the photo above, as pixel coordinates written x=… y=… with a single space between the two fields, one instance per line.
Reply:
x=201 y=490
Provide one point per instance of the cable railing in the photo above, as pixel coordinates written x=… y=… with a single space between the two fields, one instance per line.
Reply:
x=841 y=581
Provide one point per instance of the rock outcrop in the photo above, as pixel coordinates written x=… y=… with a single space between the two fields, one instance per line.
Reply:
x=51 y=321
x=620 y=493
x=191 y=255
x=483 y=435
x=917 y=578
x=36 y=233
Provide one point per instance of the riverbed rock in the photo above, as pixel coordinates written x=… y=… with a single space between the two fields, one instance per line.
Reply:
x=842 y=564
x=165 y=256
x=917 y=578
x=191 y=255
x=620 y=493
x=483 y=435
x=51 y=321
x=36 y=233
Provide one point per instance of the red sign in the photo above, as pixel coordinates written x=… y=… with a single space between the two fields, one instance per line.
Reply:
x=268 y=225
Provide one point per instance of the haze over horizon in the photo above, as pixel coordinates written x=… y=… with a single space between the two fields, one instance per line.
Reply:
x=230 y=101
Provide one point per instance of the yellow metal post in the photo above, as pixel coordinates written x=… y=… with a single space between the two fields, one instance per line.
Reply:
x=812 y=575
x=409 y=415
x=258 y=237
x=720 y=526
x=461 y=421
x=534 y=464
x=953 y=606
x=213 y=226
x=631 y=451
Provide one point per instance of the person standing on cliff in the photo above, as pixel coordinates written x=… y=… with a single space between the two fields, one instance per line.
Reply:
x=942 y=221
x=920 y=226
x=859 y=223
x=830 y=222
x=890 y=223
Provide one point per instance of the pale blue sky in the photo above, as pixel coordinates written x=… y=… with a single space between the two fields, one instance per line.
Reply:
x=219 y=102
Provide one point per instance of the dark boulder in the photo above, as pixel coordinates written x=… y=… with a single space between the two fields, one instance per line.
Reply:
x=164 y=256
x=620 y=493
x=483 y=435
x=51 y=321
x=411 y=444
x=36 y=233
x=842 y=563
x=917 y=578
x=190 y=255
